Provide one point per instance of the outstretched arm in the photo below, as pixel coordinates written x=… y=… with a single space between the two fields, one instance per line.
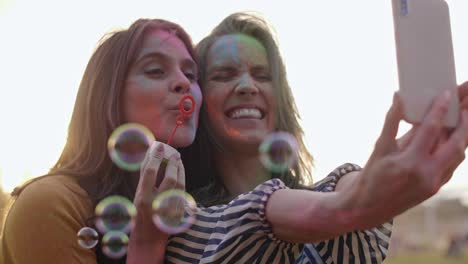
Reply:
x=394 y=178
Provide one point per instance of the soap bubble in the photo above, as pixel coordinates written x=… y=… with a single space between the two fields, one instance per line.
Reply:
x=278 y=152
x=87 y=237
x=114 y=244
x=128 y=144
x=115 y=213
x=174 y=211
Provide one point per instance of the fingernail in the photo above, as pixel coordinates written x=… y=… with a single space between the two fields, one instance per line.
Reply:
x=159 y=151
x=160 y=147
x=447 y=96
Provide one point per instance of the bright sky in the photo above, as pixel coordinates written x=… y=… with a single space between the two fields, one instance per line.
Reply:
x=340 y=58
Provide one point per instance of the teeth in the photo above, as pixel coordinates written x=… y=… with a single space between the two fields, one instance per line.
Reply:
x=246 y=113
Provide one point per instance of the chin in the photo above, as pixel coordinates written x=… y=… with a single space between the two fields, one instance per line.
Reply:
x=182 y=140
x=247 y=141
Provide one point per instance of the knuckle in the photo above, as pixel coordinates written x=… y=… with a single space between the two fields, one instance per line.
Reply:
x=379 y=143
x=461 y=148
x=441 y=106
x=436 y=187
x=180 y=185
x=431 y=188
x=149 y=171
x=389 y=116
x=460 y=152
x=170 y=182
x=431 y=126
x=447 y=177
x=141 y=203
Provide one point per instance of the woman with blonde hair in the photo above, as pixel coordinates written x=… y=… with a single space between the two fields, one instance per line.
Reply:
x=251 y=215
x=136 y=75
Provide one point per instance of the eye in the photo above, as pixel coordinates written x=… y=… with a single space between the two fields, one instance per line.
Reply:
x=154 y=72
x=223 y=76
x=261 y=74
x=262 y=77
x=191 y=76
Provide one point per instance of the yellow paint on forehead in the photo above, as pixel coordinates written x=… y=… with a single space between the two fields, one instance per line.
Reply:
x=249 y=44
x=237 y=48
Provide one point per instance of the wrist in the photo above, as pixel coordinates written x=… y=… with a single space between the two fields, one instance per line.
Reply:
x=153 y=239
x=353 y=209
x=146 y=251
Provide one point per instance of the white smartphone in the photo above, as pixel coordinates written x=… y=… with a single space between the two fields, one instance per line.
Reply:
x=425 y=57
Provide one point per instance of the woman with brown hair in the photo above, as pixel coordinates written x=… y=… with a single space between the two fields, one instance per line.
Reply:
x=136 y=75
x=256 y=216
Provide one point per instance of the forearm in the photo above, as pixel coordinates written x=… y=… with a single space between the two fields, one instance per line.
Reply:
x=307 y=216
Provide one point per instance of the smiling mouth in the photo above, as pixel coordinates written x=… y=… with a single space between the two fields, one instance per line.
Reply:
x=245 y=113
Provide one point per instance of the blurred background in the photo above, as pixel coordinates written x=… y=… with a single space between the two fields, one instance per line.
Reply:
x=341 y=63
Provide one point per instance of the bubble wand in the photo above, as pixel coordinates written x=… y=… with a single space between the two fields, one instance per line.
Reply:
x=183 y=113
x=180 y=121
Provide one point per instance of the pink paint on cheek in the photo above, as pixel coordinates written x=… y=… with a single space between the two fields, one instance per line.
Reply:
x=197 y=95
x=233 y=133
x=145 y=84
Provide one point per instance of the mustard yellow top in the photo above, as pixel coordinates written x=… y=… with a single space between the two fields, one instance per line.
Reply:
x=42 y=224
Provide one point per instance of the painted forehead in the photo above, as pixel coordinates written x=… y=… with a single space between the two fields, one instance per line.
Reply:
x=161 y=41
x=237 y=49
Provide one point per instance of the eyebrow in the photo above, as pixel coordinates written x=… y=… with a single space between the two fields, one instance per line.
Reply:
x=186 y=62
x=229 y=67
x=259 y=67
x=217 y=68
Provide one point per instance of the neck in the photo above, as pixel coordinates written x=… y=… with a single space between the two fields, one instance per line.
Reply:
x=240 y=172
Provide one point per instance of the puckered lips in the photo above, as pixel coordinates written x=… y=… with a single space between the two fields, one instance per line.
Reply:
x=187 y=105
x=175 y=113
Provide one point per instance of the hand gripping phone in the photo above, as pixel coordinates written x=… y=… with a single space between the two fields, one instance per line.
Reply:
x=425 y=57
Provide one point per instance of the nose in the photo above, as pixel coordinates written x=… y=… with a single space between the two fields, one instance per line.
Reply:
x=246 y=86
x=181 y=84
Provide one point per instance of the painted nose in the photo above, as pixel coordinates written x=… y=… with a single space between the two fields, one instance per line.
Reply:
x=246 y=86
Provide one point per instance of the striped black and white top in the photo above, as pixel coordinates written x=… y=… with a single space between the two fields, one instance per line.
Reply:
x=238 y=232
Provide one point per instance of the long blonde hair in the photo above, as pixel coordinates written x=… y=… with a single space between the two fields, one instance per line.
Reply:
x=203 y=179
